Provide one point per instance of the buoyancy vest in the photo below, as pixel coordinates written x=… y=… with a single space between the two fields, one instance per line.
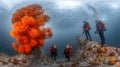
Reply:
x=53 y=50
x=101 y=26
x=86 y=26
x=67 y=52
x=70 y=49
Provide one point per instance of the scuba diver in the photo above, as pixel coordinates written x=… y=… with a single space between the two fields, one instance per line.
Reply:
x=68 y=52
x=53 y=52
x=100 y=28
x=86 y=28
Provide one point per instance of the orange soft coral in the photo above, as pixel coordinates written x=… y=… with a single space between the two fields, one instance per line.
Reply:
x=26 y=28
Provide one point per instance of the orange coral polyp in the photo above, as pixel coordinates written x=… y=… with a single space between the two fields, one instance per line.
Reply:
x=14 y=45
x=12 y=33
x=22 y=40
x=34 y=33
x=41 y=42
x=21 y=49
x=28 y=49
x=33 y=43
x=28 y=21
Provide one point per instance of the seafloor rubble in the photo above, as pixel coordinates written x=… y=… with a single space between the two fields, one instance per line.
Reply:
x=88 y=54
